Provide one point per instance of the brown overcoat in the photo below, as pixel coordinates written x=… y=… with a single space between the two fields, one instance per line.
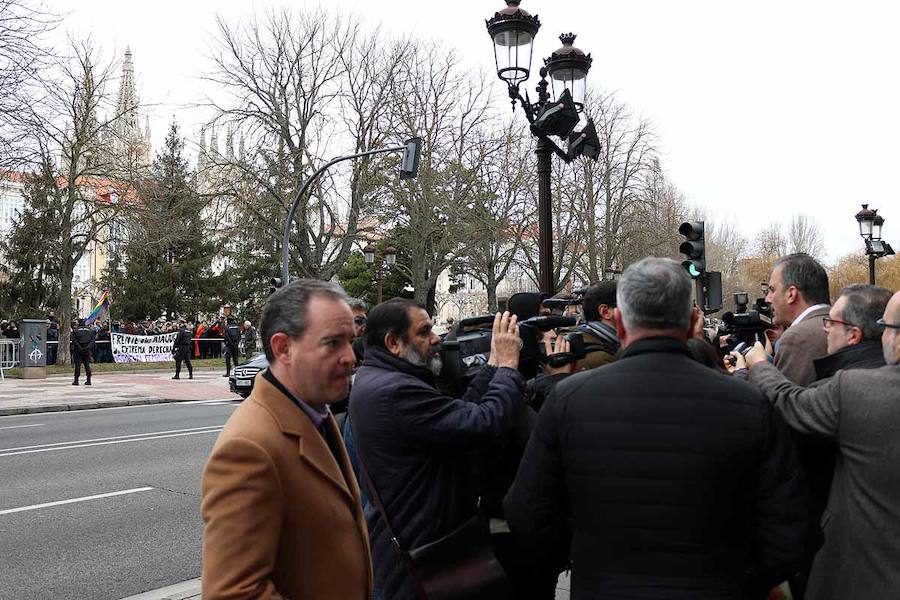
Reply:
x=282 y=519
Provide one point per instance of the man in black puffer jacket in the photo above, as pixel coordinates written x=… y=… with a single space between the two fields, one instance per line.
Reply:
x=675 y=481
x=419 y=446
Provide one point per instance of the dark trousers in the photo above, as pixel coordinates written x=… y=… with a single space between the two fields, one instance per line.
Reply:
x=231 y=352
x=82 y=359
x=183 y=356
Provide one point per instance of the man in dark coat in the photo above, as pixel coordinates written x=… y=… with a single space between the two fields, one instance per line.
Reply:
x=599 y=332
x=854 y=337
x=82 y=347
x=416 y=444
x=859 y=409
x=232 y=335
x=181 y=349
x=674 y=480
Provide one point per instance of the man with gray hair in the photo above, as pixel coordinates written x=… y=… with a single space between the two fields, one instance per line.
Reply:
x=676 y=481
x=859 y=409
x=280 y=501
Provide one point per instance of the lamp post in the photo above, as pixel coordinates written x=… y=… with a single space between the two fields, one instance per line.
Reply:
x=870 y=224
x=383 y=263
x=556 y=113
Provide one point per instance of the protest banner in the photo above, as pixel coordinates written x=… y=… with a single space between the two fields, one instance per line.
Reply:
x=142 y=348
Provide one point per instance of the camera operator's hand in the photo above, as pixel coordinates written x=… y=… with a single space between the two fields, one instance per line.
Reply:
x=756 y=355
x=505 y=342
x=735 y=361
x=560 y=346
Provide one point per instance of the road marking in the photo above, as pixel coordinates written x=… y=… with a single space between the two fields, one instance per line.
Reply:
x=10 y=511
x=21 y=426
x=114 y=437
x=90 y=411
x=118 y=440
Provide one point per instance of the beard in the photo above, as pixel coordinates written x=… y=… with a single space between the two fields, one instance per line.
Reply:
x=431 y=361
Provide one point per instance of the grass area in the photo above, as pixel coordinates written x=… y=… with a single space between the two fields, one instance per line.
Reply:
x=127 y=367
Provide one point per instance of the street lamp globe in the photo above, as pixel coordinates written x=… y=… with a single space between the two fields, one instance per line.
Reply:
x=866 y=220
x=390 y=256
x=876 y=227
x=369 y=254
x=513 y=30
x=568 y=68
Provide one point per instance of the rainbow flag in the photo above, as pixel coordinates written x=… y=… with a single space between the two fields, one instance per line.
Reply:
x=102 y=303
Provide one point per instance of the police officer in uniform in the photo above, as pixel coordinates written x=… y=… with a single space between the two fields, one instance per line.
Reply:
x=232 y=336
x=181 y=349
x=82 y=348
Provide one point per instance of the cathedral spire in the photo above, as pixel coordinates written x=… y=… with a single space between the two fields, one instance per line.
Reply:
x=129 y=142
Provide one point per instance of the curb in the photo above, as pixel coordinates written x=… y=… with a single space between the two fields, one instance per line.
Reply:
x=180 y=591
x=45 y=408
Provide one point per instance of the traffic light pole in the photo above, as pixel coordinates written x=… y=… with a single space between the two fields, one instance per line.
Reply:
x=286 y=238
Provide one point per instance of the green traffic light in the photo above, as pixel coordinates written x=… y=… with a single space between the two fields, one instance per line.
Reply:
x=692 y=268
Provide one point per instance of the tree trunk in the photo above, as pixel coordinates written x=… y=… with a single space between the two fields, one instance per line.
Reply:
x=492 y=293
x=64 y=310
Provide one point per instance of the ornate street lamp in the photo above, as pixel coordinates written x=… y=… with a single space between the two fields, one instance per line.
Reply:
x=870 y=224
x=556 y=113
x=384 y=263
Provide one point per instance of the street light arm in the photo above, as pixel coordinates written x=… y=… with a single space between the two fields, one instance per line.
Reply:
x=286 y=239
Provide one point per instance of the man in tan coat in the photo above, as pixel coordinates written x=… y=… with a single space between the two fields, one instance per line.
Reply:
x=280 y=501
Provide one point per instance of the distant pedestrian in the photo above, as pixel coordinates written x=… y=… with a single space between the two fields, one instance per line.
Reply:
x=249 y=339
x=232 y=335
x=181 y=349
x=52 y=342
x=82 y=347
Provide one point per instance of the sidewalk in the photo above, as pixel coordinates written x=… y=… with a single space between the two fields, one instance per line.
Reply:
x=56 y=393
x=190 y=590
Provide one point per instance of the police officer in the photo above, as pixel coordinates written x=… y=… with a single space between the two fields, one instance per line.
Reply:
x=82 y=348
x=232 y=335
x=181 y=349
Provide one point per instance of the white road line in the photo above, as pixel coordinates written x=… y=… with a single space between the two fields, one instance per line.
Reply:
x=10 y=511
x=114 y=437
x=21 y=426
x=143 y=439
x=85 y=412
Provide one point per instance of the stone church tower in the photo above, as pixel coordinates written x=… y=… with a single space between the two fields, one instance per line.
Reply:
x=126 y=142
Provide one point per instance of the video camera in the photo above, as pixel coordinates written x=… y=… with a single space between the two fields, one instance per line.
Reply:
x=747 y=325
x=467 y=348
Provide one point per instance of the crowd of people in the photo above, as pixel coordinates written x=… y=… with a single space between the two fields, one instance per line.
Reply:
x=666 y=466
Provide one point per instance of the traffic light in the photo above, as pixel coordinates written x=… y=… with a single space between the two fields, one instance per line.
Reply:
x=694 y=247
x=274 y=284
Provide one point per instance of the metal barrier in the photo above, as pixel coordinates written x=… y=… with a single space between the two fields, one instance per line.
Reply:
x=9 y=355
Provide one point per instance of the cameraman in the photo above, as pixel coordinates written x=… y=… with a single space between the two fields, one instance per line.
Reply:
x=599 y=331
x=415 y=443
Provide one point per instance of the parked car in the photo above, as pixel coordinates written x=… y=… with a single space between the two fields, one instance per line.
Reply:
x=241 y=379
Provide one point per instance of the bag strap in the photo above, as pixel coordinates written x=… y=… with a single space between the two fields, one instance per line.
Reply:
x=377 y=498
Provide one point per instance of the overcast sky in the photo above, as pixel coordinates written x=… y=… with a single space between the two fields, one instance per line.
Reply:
x=763 y=110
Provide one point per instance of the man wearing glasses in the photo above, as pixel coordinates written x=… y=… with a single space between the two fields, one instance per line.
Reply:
x=859 y=409
x=854 y=337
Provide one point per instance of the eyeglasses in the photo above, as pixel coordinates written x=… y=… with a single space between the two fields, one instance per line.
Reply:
x=882 y=324
x=829 y=323
x=359 y=320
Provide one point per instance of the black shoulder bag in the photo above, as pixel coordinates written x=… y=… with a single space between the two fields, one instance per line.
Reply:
x=459 y=566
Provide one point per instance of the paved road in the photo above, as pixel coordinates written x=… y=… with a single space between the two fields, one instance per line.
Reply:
x=103 y=504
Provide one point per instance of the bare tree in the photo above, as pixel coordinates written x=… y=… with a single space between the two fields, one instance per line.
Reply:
x=437 y=100
x=23 y=59
x=804 y=235
x=615 y=184
x=91 y=186
x=295 y=82
x=503 y=198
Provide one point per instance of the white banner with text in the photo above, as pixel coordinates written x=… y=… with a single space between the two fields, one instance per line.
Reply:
x=142 y=348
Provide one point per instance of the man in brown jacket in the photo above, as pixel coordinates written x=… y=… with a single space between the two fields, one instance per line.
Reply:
x=280 y=501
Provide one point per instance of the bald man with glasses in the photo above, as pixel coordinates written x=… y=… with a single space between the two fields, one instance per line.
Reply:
x=859 y=409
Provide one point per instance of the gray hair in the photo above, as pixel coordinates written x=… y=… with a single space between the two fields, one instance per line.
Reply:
x=356 y=304
x=287 y=310
x=865 y=305
x=655 y=293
